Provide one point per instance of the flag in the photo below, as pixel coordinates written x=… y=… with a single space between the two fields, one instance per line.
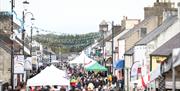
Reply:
x=143 y=83
x=149 y=76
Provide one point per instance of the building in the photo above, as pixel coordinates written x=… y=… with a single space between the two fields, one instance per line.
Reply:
x=131 y=37
x=6 y=38
x=151 y=21
x=5 y=46
x=165 y=56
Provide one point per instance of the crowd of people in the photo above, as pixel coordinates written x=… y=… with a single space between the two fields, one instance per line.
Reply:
x=82 y=80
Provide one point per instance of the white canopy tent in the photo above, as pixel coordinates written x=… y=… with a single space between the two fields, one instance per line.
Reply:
x=82 y=59
x=49 y=76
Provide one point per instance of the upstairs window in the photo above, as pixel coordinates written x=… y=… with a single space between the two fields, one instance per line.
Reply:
x=143 y=32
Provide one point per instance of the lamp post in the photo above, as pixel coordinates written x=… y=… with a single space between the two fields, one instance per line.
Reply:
x=23 y=32
x=23 y=29
x=31 y=35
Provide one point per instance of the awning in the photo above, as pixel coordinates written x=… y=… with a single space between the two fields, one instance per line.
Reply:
x=96 y=67
x=119 y=64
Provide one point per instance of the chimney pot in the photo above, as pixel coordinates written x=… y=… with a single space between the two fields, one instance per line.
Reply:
x=124 y=18
x=178 y=4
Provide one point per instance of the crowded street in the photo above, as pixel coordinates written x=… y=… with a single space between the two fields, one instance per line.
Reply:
x=89 y=45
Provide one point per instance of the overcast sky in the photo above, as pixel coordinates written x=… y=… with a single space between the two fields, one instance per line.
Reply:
x=78 y=16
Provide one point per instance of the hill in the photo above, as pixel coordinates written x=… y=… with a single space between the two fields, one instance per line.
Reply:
x=67 y=43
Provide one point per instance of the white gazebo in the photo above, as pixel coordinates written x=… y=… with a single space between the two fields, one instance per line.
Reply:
x=82 y=59
x=49 y=76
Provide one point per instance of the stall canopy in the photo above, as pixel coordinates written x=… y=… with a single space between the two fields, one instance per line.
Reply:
x=90 y=64
x=49 y=76
x=119 y=64
x=82 y=59
x=96 y=67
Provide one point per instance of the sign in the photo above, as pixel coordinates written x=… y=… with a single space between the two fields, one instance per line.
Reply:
x=18 y=64
x=28 y=63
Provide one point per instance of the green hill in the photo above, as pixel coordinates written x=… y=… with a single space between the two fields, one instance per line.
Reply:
x=67 y=43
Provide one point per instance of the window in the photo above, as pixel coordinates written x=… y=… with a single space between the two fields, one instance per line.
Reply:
x=143 y=32
x=116 y=50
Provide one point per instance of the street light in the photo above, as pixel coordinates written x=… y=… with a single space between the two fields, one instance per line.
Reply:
x=23 y=29
x=25 y=2
x=31 y=36
x=23 y=32
x=12 y=41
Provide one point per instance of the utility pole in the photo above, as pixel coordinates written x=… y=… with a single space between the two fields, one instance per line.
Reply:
x=112 y=24
x=174 y=79
x=50 y=58
x=127 y=79
x=23 y=33
x=31 y=41
x=12 y=46
x=103 y=48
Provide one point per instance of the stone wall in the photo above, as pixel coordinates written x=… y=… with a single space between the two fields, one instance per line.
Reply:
x=5 y=63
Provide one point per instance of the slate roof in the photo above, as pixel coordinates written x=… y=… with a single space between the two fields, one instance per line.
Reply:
x=166 y=48
x=129 y=52
x=167 y=23
x=157 y=31
x=135 y=28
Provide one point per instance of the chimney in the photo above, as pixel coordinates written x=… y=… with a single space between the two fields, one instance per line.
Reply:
x=165 y=15
x=124 y=17
x=178 y=10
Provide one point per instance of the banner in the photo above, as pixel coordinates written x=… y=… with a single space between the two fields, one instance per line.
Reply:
x=19 y=64
x=134 y=70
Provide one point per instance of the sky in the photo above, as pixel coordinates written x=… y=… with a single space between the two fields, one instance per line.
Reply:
x=77 y=16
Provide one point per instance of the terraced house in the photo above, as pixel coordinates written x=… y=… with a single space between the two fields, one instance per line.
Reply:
x=5 y=46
